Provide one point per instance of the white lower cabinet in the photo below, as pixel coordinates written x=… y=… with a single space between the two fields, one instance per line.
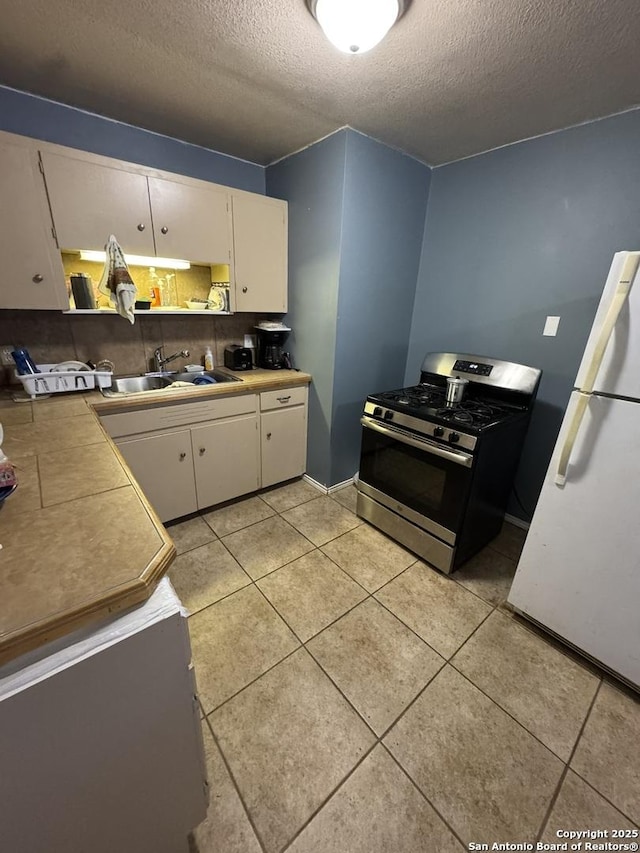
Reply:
x=283 y=434
x=163 y=466
x=196 y=455
x=101 y=735
x=226 y=457
x=283 y=443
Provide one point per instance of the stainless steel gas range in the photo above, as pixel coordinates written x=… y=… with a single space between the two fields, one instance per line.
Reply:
x=434 y=476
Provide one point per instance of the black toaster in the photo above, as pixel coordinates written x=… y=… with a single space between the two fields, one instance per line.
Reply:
x=237 y=357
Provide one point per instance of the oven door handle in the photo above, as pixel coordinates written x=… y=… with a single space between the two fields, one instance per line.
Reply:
x=422 y=444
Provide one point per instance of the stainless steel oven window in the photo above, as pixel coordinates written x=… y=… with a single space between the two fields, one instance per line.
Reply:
x=396 y=468
x=430 y=479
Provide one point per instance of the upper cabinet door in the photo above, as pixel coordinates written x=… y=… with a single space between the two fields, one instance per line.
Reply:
x=90 y=202
x=32 y=274
x=193 y=223
x=260 y=253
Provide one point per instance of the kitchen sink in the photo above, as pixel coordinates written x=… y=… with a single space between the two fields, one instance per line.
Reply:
x=136 y=384
x=158 y=381
x=218 y=375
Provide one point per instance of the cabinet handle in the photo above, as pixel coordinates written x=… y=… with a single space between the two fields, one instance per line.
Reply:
x=244 y=289
x=164 y=229
x=141 y=226
x=203 y=450
x=268 y=435
x=183 y=456
x=284 y=399
x=38 y=278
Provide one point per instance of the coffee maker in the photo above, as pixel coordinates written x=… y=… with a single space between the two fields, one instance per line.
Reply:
x=271 y=339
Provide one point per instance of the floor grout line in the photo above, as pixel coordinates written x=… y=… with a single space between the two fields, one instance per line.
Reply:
x=221 y=599
x=413 y=701
x=235 y=785
x=424 y=796
x=378 y=739
x=245 y=527
x=303 y=644
x=250 y=683
x=600 y=794
x=334 y=791
x=508 y=713
x=413 y=631
x=565 y=770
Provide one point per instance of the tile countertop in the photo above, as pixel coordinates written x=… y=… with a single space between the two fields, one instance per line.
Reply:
x=79 y=540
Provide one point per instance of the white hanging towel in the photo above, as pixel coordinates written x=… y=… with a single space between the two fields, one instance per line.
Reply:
x=116 y=283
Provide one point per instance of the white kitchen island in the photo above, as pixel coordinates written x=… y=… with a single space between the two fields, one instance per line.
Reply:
x=100 y=739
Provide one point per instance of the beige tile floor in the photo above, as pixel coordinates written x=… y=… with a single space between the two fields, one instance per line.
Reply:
x=357 y=701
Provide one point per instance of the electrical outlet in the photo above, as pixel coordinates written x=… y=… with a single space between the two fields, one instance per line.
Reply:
x=6 y=359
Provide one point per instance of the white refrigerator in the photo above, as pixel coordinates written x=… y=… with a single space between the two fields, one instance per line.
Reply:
x=579 y=574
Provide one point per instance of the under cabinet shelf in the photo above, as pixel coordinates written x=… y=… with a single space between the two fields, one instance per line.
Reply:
x=152 y=311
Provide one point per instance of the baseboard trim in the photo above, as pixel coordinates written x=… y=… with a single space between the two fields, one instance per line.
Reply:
x=315 y=484
x=518 y=522
x=329 y=490
x=342 y=485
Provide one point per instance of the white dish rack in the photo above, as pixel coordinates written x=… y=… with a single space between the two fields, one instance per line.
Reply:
x=50 y=381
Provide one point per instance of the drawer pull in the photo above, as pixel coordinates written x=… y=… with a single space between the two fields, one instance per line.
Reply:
x=141 y=226
x=183 y=456
x=284 y=399
x=268 y=436
x=244 y=289
x=164 y=229
x=203 y=450
x=38 y=278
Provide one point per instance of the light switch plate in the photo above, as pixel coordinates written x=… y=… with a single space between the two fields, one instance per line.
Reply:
x=551 y=327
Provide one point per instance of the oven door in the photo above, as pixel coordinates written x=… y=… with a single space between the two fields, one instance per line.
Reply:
x=424 y=481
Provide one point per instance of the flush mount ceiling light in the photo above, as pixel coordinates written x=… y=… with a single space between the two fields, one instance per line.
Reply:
x=355 y=26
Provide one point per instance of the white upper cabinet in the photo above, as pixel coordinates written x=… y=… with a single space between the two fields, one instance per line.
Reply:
x=32 y=274
x=150 y=213
x=191 y=222
x=149 y=216
x=260 y=253
x=90 y=201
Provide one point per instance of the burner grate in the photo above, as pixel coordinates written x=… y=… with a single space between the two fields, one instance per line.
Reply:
x=429 y=402
x=416 y=396
x=470 y=412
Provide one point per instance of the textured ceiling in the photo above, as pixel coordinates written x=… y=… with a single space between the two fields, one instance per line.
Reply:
x=257 y=79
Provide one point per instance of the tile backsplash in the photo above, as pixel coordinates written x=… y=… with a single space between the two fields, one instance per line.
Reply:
x=51 y=337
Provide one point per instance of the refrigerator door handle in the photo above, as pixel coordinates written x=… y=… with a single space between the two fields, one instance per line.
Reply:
x=620 y=295
x=570 y=439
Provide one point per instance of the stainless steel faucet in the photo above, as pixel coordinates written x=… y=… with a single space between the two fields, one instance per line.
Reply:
x=161 y=362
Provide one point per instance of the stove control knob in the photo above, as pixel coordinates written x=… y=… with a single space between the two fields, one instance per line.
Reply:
x=454 y=437
x=377 y=412
x=438 y=432
x=388 y=416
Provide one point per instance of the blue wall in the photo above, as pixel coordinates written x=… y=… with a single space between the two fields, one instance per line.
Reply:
x=312 y=181
x=356 y=223
x=29 y=115
x=515 y=235
x=385 y=201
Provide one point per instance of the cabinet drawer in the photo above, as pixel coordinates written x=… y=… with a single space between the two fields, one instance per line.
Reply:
x=165 y=417
x=285 y=397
